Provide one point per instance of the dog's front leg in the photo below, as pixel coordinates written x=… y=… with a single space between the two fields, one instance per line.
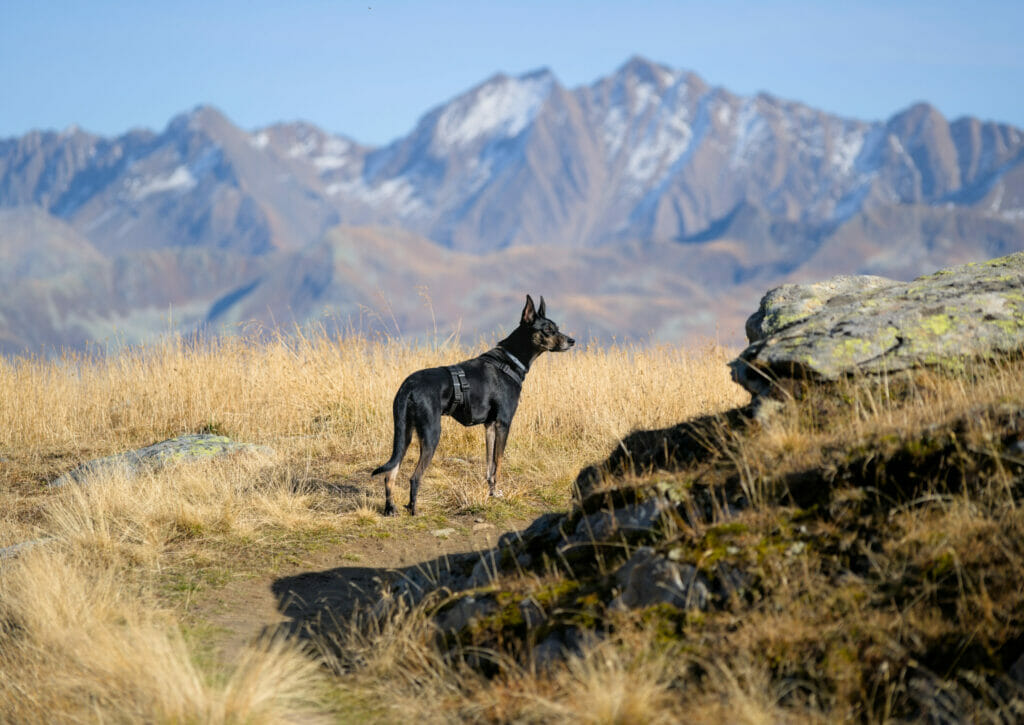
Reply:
x=496 y=435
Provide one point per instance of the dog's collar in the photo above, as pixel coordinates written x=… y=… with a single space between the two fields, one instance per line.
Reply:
x=513 y=359
x=499 y=358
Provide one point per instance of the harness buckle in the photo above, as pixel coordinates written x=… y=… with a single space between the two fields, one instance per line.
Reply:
x=460 y=387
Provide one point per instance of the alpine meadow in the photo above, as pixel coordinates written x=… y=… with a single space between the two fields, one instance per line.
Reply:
x=769 y=468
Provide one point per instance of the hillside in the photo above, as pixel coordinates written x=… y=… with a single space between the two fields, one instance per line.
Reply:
x=664 y=193
x=839 y=539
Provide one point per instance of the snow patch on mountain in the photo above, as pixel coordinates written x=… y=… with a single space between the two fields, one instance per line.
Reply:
x=724 y=114
x=613 y=130
x=752 y=130
x=644 y=95
x=181 y=179
x=668 y=77
x=333 y=155
x=302 y=147
x=329 y=162
x=396 y=193
x=653 y=125
x=662 y=145
x=846 y=149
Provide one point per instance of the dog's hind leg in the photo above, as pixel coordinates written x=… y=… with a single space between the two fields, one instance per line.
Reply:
x=496 y=436
x=389 y=504
x=390 y=476
x=429 y=434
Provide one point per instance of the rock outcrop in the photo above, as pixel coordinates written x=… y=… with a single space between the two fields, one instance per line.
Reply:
x=870 y=325
x=715 y=556
x=182 y=449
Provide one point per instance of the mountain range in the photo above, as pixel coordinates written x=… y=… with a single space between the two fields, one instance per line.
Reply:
x=647 y=205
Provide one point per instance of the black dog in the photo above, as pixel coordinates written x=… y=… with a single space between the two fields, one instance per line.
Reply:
x=482 y=390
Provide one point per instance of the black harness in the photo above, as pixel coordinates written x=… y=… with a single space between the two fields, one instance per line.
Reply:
x=496 y=357
x=461 y=386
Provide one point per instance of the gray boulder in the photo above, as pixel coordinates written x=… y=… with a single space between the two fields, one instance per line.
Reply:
x=844 y=326
x=185 y=448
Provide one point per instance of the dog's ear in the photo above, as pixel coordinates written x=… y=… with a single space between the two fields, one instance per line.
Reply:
x=540 y=310
x=529 y=314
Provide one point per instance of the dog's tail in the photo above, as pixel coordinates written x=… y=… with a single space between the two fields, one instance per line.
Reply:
x=401 y=441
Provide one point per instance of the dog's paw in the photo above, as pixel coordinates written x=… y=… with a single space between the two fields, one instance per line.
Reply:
x=389 y=510
x=497 y=493
x=411 y=508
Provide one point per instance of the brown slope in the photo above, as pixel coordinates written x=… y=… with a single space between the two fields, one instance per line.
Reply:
x=35 y=244
x=121 y=301
x=388 y=281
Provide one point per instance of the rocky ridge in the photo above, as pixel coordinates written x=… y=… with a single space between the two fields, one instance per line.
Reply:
x=649 y=169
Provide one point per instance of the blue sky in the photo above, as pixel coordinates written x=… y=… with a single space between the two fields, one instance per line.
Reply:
x=369 y=69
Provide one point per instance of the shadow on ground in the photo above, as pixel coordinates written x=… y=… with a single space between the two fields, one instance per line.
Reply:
x=313 y=600
x=317 y=603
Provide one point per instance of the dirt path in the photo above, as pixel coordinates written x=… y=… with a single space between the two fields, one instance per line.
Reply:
x=331 y=583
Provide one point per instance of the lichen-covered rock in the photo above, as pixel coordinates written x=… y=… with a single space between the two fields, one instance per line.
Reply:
x=974 y=311
x=791 y=303
x=191 y=447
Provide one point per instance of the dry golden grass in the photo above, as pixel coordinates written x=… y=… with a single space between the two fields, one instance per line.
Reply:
x=327 y=404
x=393 y=669
x=802 y=433
x=92 y=620
x=339 y=392
x=101 y=621
x=83 y=641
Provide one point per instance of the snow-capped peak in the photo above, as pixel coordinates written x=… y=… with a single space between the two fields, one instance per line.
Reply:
x=501 y=107
x=641 y=70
